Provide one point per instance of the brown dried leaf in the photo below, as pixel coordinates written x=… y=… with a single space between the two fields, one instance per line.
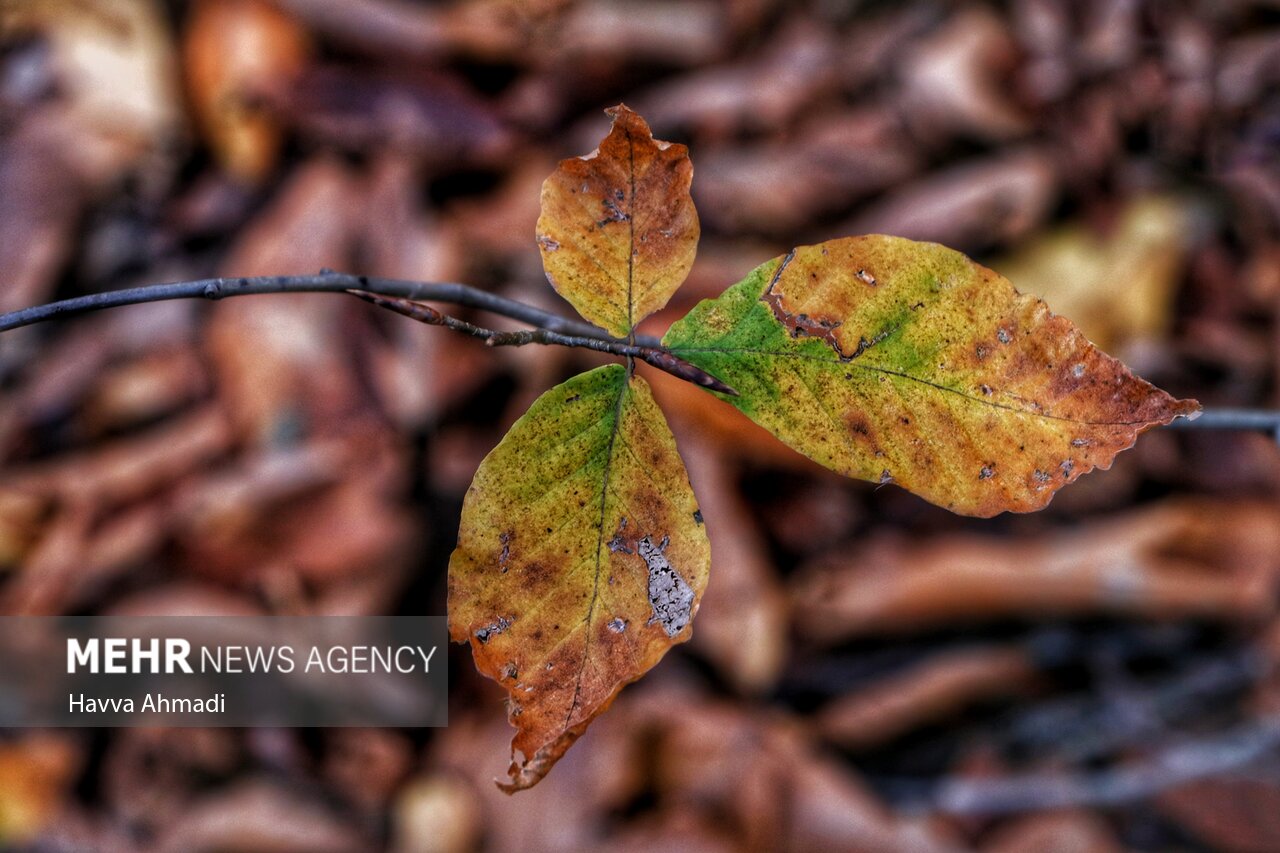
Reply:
x=783 y=185
x=969 y=206
x=776 y=790
x=1075 y=271
x=923 y=694
x=1179 y=559
x=257 y=815
x=236 y=52
x=743 y=626
x=1058 y=832
x=956 y=80
x=1237 y=814
x=618 y=229
x=35 y=773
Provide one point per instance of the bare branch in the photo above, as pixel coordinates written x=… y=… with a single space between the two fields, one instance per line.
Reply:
x=655 y=356
x=325 y=281
x=551 y=328
x=1235 y=419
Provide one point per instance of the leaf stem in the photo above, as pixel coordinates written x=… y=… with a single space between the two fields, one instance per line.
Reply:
x=653 y=355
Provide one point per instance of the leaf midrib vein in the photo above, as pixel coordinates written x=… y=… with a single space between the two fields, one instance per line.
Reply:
x=887 y=372
x=595 y=584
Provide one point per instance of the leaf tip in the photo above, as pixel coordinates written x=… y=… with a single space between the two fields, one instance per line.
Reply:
x=632 y=122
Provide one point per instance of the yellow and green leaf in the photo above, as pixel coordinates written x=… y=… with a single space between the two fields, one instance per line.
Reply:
x=618 y=229
x=896 y=361
x=581 y=559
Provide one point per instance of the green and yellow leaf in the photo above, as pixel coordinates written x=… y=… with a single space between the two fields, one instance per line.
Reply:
x=896 y=361
x=618 y=230
x=581 y=559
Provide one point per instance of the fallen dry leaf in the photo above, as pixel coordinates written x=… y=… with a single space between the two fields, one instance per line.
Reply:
x=35 y=773
x=1076 y=271
x=259 y=815
x=956 y=79
x=1057 y=832
x=236 y=53
x=1233 y=813
x=767 y=90
x=436 y=813
x=969 y=206
x=1183 y=559
x=924 y=693
x=742 y=627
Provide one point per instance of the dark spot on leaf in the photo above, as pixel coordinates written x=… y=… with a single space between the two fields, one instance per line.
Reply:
x=618 y=544
x=612 y=213
x=494 y=628
x=505 y=538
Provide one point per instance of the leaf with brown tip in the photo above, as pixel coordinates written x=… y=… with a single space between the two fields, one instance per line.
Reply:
x=618 y=230
x=581 y=559
x=897 y=361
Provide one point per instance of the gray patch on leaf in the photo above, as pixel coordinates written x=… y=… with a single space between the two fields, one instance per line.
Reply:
x=493 y=629
x=671 y=597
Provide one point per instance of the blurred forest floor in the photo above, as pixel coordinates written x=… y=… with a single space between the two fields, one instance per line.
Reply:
x=867 y=671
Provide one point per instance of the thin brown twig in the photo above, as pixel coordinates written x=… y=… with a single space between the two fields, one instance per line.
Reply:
x=326 y=281
x=655 y=356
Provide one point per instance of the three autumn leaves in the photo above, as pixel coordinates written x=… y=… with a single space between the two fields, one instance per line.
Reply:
x=581 y=553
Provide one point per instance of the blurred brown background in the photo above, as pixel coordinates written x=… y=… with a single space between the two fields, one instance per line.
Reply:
x=867 y=671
